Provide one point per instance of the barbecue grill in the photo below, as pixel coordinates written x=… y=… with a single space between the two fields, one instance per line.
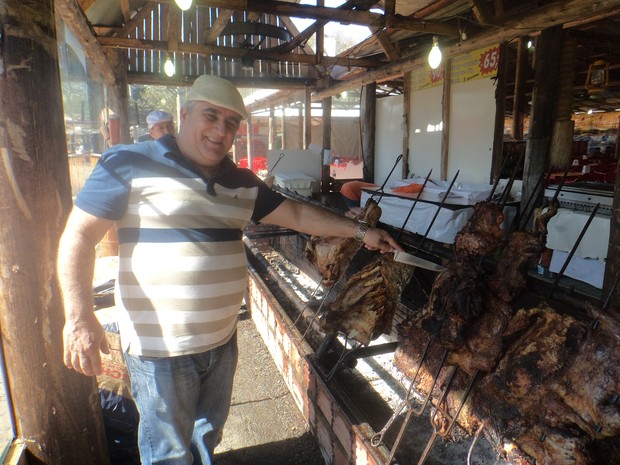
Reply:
x=447 y=382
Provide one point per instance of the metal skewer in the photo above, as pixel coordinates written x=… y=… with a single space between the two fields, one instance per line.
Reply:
x=441 y=204
x=507 y=189
x=573 y=250
x=497 y=179
x=431 y=441
x=411 y=411
x=398 y=158
x=400 y=233
x=525 y=209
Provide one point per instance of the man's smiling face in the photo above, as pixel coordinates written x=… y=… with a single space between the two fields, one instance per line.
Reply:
x=207 y=133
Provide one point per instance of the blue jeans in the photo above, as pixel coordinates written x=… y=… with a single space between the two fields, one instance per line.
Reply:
x=183 y=404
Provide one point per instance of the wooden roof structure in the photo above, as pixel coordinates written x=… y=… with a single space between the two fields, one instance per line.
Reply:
x=256 y=44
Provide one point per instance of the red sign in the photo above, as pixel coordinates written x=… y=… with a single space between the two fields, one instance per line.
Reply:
x=489 y=60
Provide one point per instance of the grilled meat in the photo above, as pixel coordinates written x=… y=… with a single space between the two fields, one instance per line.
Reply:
x=482 y=233
x=365 y=307
x=455 y=303
x=332 y=255
x=509 y=279
x=591 y=386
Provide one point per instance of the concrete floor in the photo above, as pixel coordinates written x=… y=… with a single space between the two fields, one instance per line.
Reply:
x=265 y=427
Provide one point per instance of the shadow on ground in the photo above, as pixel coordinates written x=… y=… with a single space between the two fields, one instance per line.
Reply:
x=302 y=450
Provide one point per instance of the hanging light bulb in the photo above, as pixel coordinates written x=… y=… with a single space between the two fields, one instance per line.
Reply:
x=434 y=57
x=184 y=4
x=169 y=67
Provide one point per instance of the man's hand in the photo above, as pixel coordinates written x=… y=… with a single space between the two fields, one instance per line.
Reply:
x=379 y=239
x=82 y=340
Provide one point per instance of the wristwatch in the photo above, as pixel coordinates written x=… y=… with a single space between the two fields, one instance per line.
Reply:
x=361 y=231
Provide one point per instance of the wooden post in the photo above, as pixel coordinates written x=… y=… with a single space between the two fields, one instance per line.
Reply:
x=368 y=115
x=406 y=119
x=300 y=124
x=118 y=93
x=95 y=97
x=248 y=141
x=283 y=126
x=544 y=97
x=561 y=149
x=327 y=143
x=57 y=411
x=308 y=118
x=272 y=129
x=518 y=104
x=445 y=117
x=500 y=110
x=612 y=267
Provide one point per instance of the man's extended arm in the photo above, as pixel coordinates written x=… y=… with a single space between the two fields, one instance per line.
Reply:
x=318 y=221
x=83 y=335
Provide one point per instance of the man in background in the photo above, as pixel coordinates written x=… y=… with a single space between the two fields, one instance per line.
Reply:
x=159 y=123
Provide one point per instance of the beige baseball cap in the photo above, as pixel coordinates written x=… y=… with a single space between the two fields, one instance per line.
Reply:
x=218 y=91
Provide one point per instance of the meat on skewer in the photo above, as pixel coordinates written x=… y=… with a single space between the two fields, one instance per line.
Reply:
x=332 y=255
x=365 y=307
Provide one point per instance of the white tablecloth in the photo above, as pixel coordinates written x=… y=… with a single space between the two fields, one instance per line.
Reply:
x=564 y=229
x=588 y=270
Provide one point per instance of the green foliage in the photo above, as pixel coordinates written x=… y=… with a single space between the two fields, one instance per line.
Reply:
x=144 y=99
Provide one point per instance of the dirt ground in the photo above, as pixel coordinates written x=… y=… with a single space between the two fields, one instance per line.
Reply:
x=265 y=426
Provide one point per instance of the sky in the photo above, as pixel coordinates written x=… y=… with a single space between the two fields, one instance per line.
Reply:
x=332 y=28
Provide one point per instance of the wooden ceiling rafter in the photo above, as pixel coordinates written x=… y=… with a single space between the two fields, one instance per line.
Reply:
x=231 y=52
x=481 y=12
x=86 y=4
x=400 y=36
x=74 y=17
x=551 y=15
x=345 y=16
x=223 y=18
x=137 y=20
x=126 y=11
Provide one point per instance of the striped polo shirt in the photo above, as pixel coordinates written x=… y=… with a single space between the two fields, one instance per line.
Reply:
x=182 y=263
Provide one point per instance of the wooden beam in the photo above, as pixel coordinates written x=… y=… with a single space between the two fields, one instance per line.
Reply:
x=257 y=83
x=446 y=113
x=307 y=118
x=137 y=20
x=547 y=63
x=364 y=18
x=499 y=10
x=406 y=121
x=497 y=154
x=86 y=4
x=518 y=103
x=218 y=26
x=288 y=23
x=231 y=52
x=126 y=11
x=76 y=20
x=174 y=29
x=481 y=12
x=368 y=123
x=384 y=40
x=534 y=22
x=327 y=144
x=302 y=37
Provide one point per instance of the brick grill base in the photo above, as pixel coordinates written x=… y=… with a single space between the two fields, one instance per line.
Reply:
x=343 y=440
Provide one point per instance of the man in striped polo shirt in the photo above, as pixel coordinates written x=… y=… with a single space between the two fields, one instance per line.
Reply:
x=180 y=207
